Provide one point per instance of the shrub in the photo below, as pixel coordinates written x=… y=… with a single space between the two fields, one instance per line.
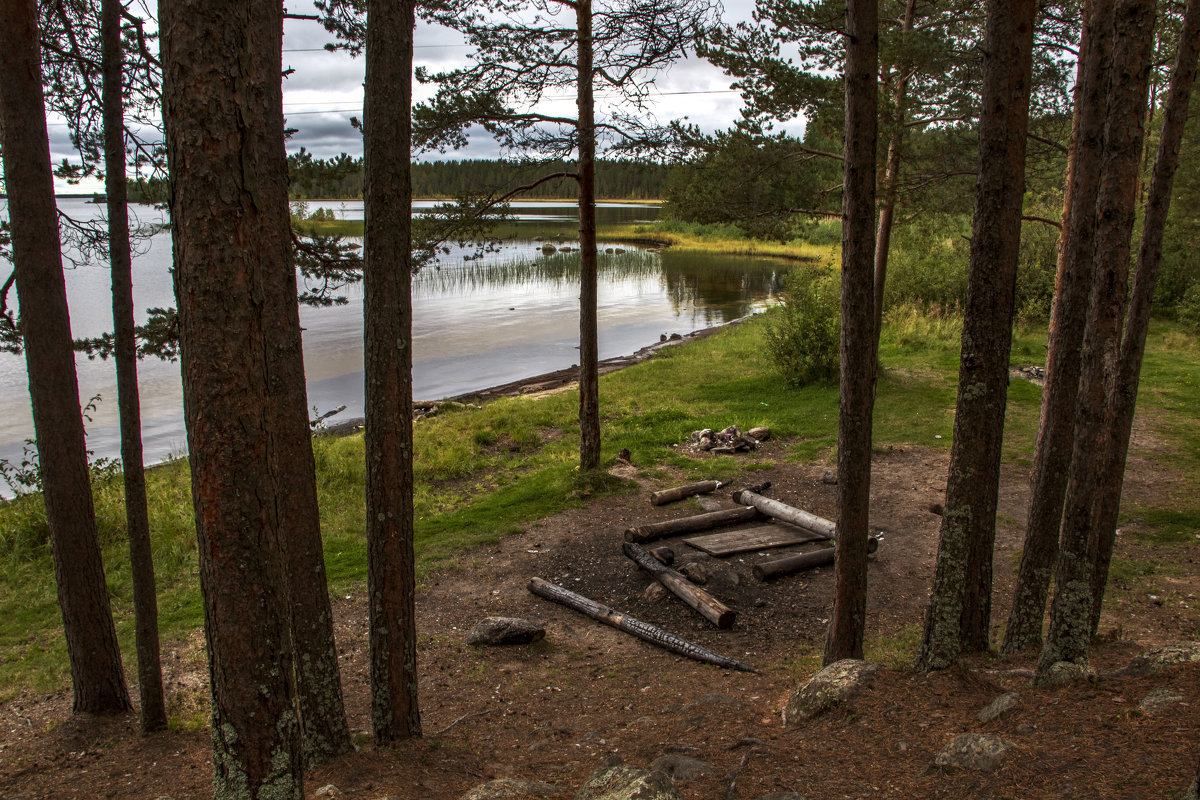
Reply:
x=1188 y=308
x=802 y=334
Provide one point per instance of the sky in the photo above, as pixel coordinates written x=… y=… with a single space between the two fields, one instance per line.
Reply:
x=325 y=90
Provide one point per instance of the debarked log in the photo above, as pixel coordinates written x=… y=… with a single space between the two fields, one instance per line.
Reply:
x=635 y=627
x=786 y=565
x=705 y=604
x=698 y=522
x=680 y=492
x=786 y=513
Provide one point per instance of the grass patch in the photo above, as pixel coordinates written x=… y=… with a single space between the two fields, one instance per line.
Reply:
x=482 y=473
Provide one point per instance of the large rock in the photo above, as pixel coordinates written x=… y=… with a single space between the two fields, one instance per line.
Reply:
x=511 y=789
x=1159 y=700
x=681 y=768
x=628 y=783
x=1065 y=673
x=505 y=630
x=833 y=685
x=974 y=751
x=1155 y=661
x=998 y=707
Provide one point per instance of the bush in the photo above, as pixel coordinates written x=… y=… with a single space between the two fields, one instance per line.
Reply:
x=802 y=333
x=1188 y=308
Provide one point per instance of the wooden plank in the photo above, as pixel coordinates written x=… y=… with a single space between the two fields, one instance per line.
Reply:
x=762 y=537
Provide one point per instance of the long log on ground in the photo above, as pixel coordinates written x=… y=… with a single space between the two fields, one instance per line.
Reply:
x=786 y=513
x=680 y=492
x=698 y=522
x=705 y=604
x=642 y=630
x=786 y=565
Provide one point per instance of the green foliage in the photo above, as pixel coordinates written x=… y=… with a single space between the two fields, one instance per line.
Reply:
x=928 y=262
x=1188 y=308
x=757 y=184
x=802 y=335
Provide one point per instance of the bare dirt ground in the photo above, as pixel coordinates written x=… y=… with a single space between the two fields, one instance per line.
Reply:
x=588 y=695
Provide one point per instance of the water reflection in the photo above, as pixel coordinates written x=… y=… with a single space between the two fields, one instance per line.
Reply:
x=476 y=323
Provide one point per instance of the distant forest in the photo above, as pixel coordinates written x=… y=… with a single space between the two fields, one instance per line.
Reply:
x=342 y=176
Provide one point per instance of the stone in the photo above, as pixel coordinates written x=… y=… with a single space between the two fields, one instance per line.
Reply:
x=999 y=706
x=505 y=630
x=681 y=767
x=973 y=751
x=655 y=593
x=511 y=789
x=1065 y=673
x=760 y=433
x=833 y=685
x=1154 y=661
x=829 y=478
x=628 y=783
x=328 y=790
x=1159 y=700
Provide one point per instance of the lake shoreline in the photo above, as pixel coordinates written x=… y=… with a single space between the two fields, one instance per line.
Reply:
x=546 y=382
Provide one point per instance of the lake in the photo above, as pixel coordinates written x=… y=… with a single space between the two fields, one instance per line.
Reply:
x=476 y=323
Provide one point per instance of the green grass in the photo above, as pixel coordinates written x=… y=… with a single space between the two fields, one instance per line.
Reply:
x=481 y=473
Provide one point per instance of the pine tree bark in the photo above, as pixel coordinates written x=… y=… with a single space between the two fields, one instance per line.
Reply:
x=1122 y=394
x=1052 y=453
x=137 y=518
x=230 y=230
x=959 y=616
x=387 y=309
x=1070 y=629
x=589 y=348
x=98 y=679
x=847 y=625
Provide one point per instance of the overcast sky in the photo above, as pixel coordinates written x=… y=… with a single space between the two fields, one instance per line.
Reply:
x=325 y=90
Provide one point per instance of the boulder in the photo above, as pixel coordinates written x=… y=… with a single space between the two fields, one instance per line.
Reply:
x=999 y=706
x=974 y=751
x=1065 y=673
x=623 y=782
x=511 y=789
x=760 y=433
x=833 y=685
x=1154 y=661
x=1159 y=700
x=682 y=768
x=505 y=630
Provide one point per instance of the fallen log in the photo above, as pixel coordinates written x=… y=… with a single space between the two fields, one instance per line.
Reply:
x=786 y=565
x=786 y=513
x=680 y=492
x=642 y=630
x=698 y=522
x=705 y=604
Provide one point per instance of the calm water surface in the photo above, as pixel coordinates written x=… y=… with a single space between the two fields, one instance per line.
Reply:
x=476 y=323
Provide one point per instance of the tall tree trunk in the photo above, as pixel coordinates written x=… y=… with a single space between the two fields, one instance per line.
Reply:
x=1122 y=394
x=96 y=673
x=137 y=520
x=847 y=624
x=224 y=129
x=959 y=615
x=589 y=348
x=1052 y=453
x=891 y=176
x=387 y=309
x=1071 y=611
